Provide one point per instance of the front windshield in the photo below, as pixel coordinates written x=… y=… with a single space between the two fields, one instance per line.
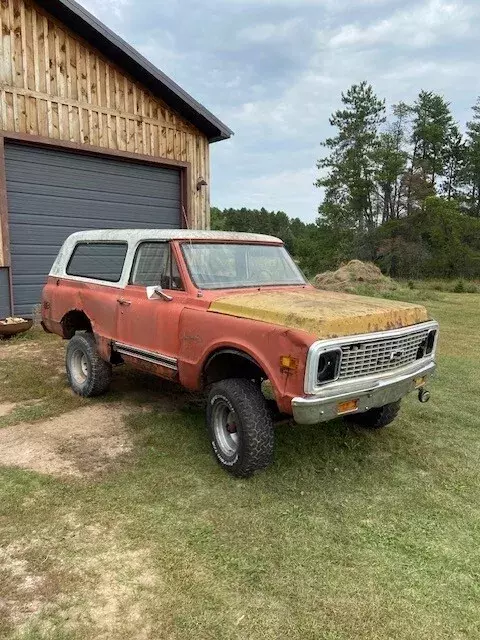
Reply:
x=223 y=266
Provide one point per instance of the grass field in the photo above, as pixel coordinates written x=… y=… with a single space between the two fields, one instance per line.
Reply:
x=348 y=536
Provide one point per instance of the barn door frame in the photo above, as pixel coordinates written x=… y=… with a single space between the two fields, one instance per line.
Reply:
x=184 y=168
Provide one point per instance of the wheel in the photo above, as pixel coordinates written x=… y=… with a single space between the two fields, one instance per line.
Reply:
x=87 y=373
x=240 y=426
x=375 y=418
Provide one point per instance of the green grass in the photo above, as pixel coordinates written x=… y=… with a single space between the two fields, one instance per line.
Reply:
x=348 y=536
x=415 y=290
x=458 y=285
x=403 y=292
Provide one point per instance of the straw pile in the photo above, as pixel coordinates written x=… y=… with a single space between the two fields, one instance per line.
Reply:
x=352 y=275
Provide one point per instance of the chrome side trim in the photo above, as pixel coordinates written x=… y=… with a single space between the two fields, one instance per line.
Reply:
x=145 y=354
x=321 y=346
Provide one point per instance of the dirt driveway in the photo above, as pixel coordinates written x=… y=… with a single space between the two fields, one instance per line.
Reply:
x=47 y=429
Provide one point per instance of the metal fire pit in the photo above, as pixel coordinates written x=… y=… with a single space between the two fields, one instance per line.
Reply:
x=14 y=328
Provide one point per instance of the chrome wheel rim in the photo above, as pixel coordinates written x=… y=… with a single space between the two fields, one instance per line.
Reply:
x=225 y=429
x=79 y=366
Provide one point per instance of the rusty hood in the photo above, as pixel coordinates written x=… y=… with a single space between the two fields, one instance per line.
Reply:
x=325 y=314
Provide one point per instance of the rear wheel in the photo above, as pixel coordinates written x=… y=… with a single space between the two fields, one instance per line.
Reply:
x=375 y=418
x=240 y=426
x=87 y=373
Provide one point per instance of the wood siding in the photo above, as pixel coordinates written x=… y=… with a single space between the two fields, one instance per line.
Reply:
x=54 y=85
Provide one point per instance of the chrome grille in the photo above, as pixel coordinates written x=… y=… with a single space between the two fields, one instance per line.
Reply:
x=375 y=356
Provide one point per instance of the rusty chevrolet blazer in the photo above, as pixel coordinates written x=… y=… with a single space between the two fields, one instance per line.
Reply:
x=231 y=314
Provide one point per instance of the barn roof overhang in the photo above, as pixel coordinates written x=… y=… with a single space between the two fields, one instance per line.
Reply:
x=79 y=20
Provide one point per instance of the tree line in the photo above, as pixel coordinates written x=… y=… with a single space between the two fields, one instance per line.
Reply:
x=401 y=188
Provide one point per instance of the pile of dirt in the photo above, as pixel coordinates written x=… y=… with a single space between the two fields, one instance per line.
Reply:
x=353 y=274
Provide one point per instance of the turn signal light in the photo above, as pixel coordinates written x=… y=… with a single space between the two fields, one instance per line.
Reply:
x=347 y=407
x=287 y=363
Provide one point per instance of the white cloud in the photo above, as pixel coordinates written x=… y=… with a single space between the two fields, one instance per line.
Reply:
x=291 y=191
x=428 y=69
x=421 y=26
x=269 y=31
x=105 y=7
x=337 y=5
x=160 y=48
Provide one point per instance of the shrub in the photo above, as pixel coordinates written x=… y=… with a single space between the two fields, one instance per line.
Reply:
x=438 y=241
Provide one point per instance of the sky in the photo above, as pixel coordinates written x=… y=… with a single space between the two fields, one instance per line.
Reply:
x=274 y=70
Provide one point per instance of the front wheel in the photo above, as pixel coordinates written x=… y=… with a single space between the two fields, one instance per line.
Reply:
x=375 y=418
x=240 y=426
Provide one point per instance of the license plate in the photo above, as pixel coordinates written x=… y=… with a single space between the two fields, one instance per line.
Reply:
x=347 y=407
x=420 y=382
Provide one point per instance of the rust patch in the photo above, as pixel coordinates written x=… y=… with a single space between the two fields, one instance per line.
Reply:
x=151 y=367
x=325 y=314
x=104 y=347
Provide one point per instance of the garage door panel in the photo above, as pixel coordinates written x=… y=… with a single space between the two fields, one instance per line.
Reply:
x=39 y=158
x=23 y=299
x=52 y=199
x=96 y=183
x=53 y=193
x=36 y=228
x=28 y=233
x=88 y=212
x=32 y=281
x=31 y=268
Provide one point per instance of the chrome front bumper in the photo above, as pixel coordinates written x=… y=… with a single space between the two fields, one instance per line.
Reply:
x=370 y=392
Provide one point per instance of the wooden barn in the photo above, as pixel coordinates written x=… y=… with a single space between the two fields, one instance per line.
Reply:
x=92 y=135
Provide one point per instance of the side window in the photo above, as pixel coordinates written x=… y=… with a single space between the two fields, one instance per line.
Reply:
x=98 y=260
x=156 y=266
x=150 y=263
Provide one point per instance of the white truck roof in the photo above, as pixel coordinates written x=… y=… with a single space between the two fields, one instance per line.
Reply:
x=137 y=235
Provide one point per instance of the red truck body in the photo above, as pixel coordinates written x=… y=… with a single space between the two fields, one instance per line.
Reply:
x=324 y=354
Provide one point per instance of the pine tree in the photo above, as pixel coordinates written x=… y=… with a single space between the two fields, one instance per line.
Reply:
x=391 y=158
x=472 y=168
x=350 y=180
x=432 y=122
x=454 y=164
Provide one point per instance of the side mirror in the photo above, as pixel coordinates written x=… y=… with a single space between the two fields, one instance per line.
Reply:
x=154 y=293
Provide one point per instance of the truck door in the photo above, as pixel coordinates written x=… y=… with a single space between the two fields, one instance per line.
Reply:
x=148 y=327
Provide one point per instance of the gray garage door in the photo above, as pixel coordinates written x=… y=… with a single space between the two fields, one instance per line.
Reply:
x=53 y=193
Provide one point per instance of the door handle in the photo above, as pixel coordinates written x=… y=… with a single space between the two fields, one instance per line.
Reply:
x=123 y=302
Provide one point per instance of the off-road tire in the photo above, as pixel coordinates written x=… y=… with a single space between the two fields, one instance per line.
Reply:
x=95 y=378
x=254 y=426
x=375 y=418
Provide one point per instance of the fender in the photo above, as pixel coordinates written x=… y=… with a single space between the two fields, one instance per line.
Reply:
x=204 y=334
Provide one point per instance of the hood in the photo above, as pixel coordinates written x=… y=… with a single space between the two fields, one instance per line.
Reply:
x=325 y=314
